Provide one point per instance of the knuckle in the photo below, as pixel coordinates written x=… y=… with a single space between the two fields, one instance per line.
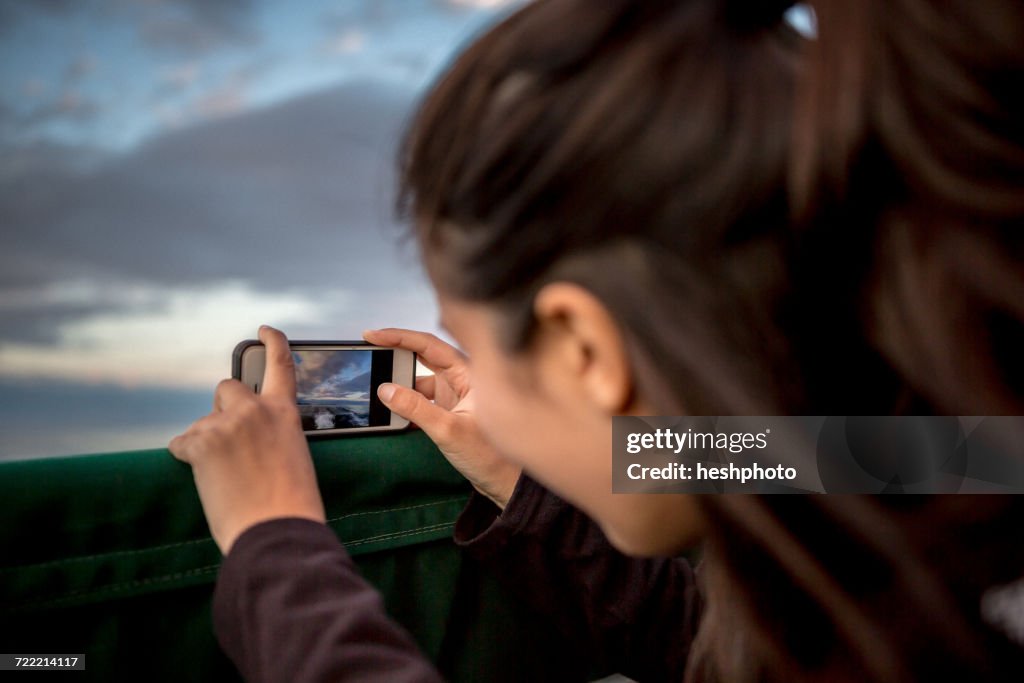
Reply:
x=232 y=421
x=285 y=410
x=218 y=433
x=283 y=357
x=224 y=385
x=176 y=446
x=248 y=409
x=432 y=343
x=445 y=429
x=404 y=402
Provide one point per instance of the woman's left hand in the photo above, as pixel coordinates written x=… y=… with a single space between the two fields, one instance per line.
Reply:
x=249 y=456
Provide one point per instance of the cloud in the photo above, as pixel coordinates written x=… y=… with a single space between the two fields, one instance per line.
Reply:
x=325 y=374
x=69 y=106
x=37 y=315
x=79 y=68
x=177 y=26
x=33 y=87
x=293 y=200
x=230 y=99
x=348 y=41
x=356 y=396
x=197 y=26
x=480 y=4
x=180 y=76
x=352 y=388
x=182 y=338
x=376 y=15
x=231 y=95
x=13 y=11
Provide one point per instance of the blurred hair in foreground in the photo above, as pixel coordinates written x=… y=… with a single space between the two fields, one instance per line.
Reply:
x=779 y=226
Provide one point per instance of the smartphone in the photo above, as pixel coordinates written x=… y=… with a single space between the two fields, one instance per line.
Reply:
x=336 y=383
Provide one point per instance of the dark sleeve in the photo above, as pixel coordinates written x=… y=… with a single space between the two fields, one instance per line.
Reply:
x=289 y=605
x=634 y=616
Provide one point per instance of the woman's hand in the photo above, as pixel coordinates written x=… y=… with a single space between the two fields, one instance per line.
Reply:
x=442 y=406
x=249 y=456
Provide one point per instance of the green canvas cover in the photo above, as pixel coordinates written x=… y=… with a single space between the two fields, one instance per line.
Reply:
x=109 y=555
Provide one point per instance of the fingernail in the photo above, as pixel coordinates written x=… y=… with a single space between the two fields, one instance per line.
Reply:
x=386 y=391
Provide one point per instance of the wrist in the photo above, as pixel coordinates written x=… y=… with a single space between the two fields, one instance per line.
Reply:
x=239 y=526
x=500 y=489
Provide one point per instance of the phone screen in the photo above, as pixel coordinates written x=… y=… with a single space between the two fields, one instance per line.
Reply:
x=337 y=389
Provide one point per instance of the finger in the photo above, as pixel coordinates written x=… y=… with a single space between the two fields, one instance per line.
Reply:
x=279 y=375
x=177 y=446
x=229 y=393
x=425 y=385
x=180 y=445
x=202 y=423
x=433 y=352
x=415 y=407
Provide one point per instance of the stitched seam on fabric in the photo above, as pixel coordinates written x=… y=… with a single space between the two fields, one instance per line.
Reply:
x=399 y=534
x=407 y=507
x=157 y=548
x=116 y=587
x=209 y=569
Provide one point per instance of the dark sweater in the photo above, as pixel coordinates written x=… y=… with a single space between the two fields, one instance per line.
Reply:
x=290 y=605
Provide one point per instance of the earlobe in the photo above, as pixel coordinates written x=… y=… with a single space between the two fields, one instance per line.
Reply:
x=589 y=343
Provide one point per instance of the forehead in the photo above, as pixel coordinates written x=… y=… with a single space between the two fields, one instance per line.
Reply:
x=456 y=313
x=471 y=323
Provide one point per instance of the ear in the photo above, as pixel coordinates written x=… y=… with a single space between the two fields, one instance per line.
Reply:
x=589 y=351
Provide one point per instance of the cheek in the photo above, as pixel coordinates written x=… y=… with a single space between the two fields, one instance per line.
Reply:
x=574 y=460
x=553 y=443
x=528 y=428
x=507 y=413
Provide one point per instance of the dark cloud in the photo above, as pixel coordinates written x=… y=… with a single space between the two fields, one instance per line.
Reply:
x=294 y=197
x=231 y=94
x=326 y=369
x=13 y=11
x=473 y=5
x=342 y=386
x=197 y=26
x=40 y=324
x=69 y=106
x=8 y=124
x=80 y=67
x=372 y=14
x=187 y=26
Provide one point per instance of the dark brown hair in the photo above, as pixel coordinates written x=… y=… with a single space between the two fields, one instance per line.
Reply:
x=779 y=227
x=608 y=143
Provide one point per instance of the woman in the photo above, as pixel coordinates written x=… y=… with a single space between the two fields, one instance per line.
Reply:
x=620 y=217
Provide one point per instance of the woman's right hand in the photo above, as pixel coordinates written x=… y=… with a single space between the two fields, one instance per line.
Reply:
x=442 y=406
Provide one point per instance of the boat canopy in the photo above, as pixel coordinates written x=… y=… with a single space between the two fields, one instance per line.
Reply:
x=109 y=555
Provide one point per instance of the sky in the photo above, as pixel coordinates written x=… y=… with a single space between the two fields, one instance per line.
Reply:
x=174 y=173
x=343 y=375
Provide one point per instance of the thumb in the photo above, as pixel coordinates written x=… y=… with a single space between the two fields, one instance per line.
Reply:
x=436 y=421
x=279 y=375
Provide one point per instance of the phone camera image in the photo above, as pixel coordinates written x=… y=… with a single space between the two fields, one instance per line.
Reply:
x=337 y=389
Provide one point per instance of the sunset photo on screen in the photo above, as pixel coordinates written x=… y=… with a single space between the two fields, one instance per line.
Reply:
x=333 y=388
